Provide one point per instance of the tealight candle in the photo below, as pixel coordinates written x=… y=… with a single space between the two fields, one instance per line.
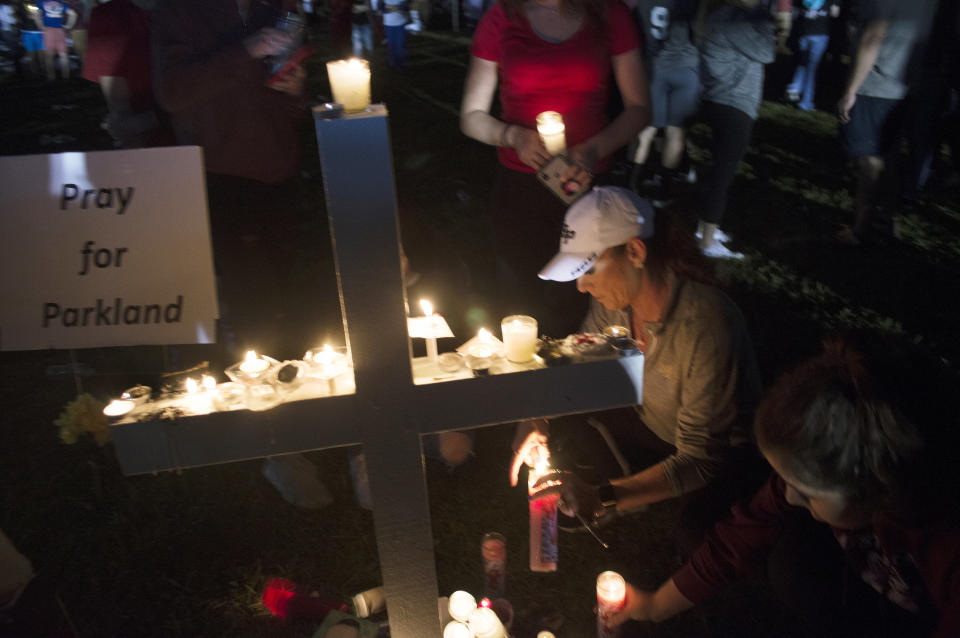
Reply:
x=456 y=629
x=252 y=364
x=611 y=598
x=552 y=132
x=432 y=339
x=350 y=83
x=462 y=604
x=519 y=337
x=327 y=364
x=485 y=624
x=118 y=407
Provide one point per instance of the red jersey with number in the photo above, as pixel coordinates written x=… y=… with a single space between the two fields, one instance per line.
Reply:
x=571 y=77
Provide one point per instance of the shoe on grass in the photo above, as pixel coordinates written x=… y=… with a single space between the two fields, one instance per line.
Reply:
x=716 y=250
x=718 y=236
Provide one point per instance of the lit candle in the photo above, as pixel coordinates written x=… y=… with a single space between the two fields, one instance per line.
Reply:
x=328 y=364
x=456 y=629
x=350 y=83
x=545 y=634
x=611 y=597
x=485 y=624
x=461 y=605
x=551 y=130
x=432 y=339
x=252 y=364
x=118 y=407
x=544 y=550
x=519 y=337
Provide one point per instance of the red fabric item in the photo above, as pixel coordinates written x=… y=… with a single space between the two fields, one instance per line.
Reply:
x=571 y=77
x=738 y=546
x=217 y=94
x=118 y=44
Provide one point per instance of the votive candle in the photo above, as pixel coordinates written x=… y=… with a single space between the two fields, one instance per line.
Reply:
x=350 y=83
x=461 y=605
x=611 y=598
x=485 y=623
x=552 y=132
x=519 y=337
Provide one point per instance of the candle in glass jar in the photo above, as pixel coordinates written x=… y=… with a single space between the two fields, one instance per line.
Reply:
x=551 y=130
x=611 y=598
x=544 y=550
x=350 y=83
x=519 y=337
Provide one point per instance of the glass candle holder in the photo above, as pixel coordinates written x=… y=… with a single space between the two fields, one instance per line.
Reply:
x=611 y=598
x=350 y=83
x=552 y=132
x=326 y=362
x=252 y=370
x=519 y=337
x=230 y=396
x=138 y=394
x=118 y=408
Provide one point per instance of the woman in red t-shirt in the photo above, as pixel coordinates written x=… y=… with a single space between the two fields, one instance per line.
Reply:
x=548 y=55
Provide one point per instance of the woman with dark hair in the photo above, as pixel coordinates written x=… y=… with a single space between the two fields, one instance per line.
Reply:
x=548 y=55
x=844 y=440
x=700 y=380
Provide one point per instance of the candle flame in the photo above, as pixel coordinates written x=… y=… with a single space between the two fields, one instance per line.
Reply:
x=209 y=383
x=483 y=334
x=192 y=386
x=251 y=356
x=427 y=307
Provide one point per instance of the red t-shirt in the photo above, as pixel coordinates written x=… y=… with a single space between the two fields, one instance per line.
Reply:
x=571 y=77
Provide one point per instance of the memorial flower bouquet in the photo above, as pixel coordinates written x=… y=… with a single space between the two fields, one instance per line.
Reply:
x=83 y=415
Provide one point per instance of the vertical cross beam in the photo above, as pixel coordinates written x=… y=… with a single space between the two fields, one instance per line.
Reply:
x=357 y=169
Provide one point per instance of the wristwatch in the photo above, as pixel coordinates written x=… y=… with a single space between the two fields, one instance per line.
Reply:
x=608 y=496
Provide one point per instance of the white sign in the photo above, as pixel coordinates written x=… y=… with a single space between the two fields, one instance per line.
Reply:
x=109 y=248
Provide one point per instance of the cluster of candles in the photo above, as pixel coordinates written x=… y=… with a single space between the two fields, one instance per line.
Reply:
x=519 y=340
x=257 y=382
x=471 y=620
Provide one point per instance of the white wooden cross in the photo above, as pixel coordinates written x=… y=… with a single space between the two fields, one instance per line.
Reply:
x=388 y=413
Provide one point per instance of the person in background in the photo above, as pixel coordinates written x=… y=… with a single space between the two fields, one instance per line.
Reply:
x=889 y=52
x=54 y=18
x=118 y=60
x=812 y=31
x=548 y=55
x=858 y=522
x=672 y=63
x=736 y=38
x=690 y=439
x=78 y=30
x=394 y=14
x=362 y=33
x=10 y=33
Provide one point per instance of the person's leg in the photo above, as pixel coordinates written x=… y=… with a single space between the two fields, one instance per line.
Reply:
x=674 y=145
x=49 y=54
x=644 y=141
x=796 y=86
x=817 y=46
x=367 y=33
x=730 y=130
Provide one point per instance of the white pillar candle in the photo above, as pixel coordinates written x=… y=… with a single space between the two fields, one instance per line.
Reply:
x=519 y=337
x=552 y=132
x=611 y=597
x=462 y=604
x=432 y=339
x=485 y=623
x=350 y=83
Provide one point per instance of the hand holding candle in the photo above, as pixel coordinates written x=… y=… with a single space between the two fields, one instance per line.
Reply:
x=552 y=132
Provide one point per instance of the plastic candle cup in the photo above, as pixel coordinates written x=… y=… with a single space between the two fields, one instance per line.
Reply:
x=462 y=604
x=350 y=83
x=519 y=337
x=552 y=132
x=611 y=597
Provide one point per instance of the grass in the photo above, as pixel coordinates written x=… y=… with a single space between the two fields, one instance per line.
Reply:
x=187 y=554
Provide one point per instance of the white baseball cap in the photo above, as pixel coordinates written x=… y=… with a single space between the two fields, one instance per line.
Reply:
x=606 y=216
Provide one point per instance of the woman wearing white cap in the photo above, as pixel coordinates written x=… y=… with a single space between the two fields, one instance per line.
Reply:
x=700 y=378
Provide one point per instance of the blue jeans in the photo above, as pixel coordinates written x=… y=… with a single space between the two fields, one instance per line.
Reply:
x=396 y=46
x=805 y=77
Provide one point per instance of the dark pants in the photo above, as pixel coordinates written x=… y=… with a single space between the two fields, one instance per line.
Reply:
x=396 y=46
x=730 y=135
x=578 y=447
x=274 y=267
x=527 y=219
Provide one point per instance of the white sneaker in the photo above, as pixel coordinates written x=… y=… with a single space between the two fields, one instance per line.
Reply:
x=718 y=235
x=716 y=250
